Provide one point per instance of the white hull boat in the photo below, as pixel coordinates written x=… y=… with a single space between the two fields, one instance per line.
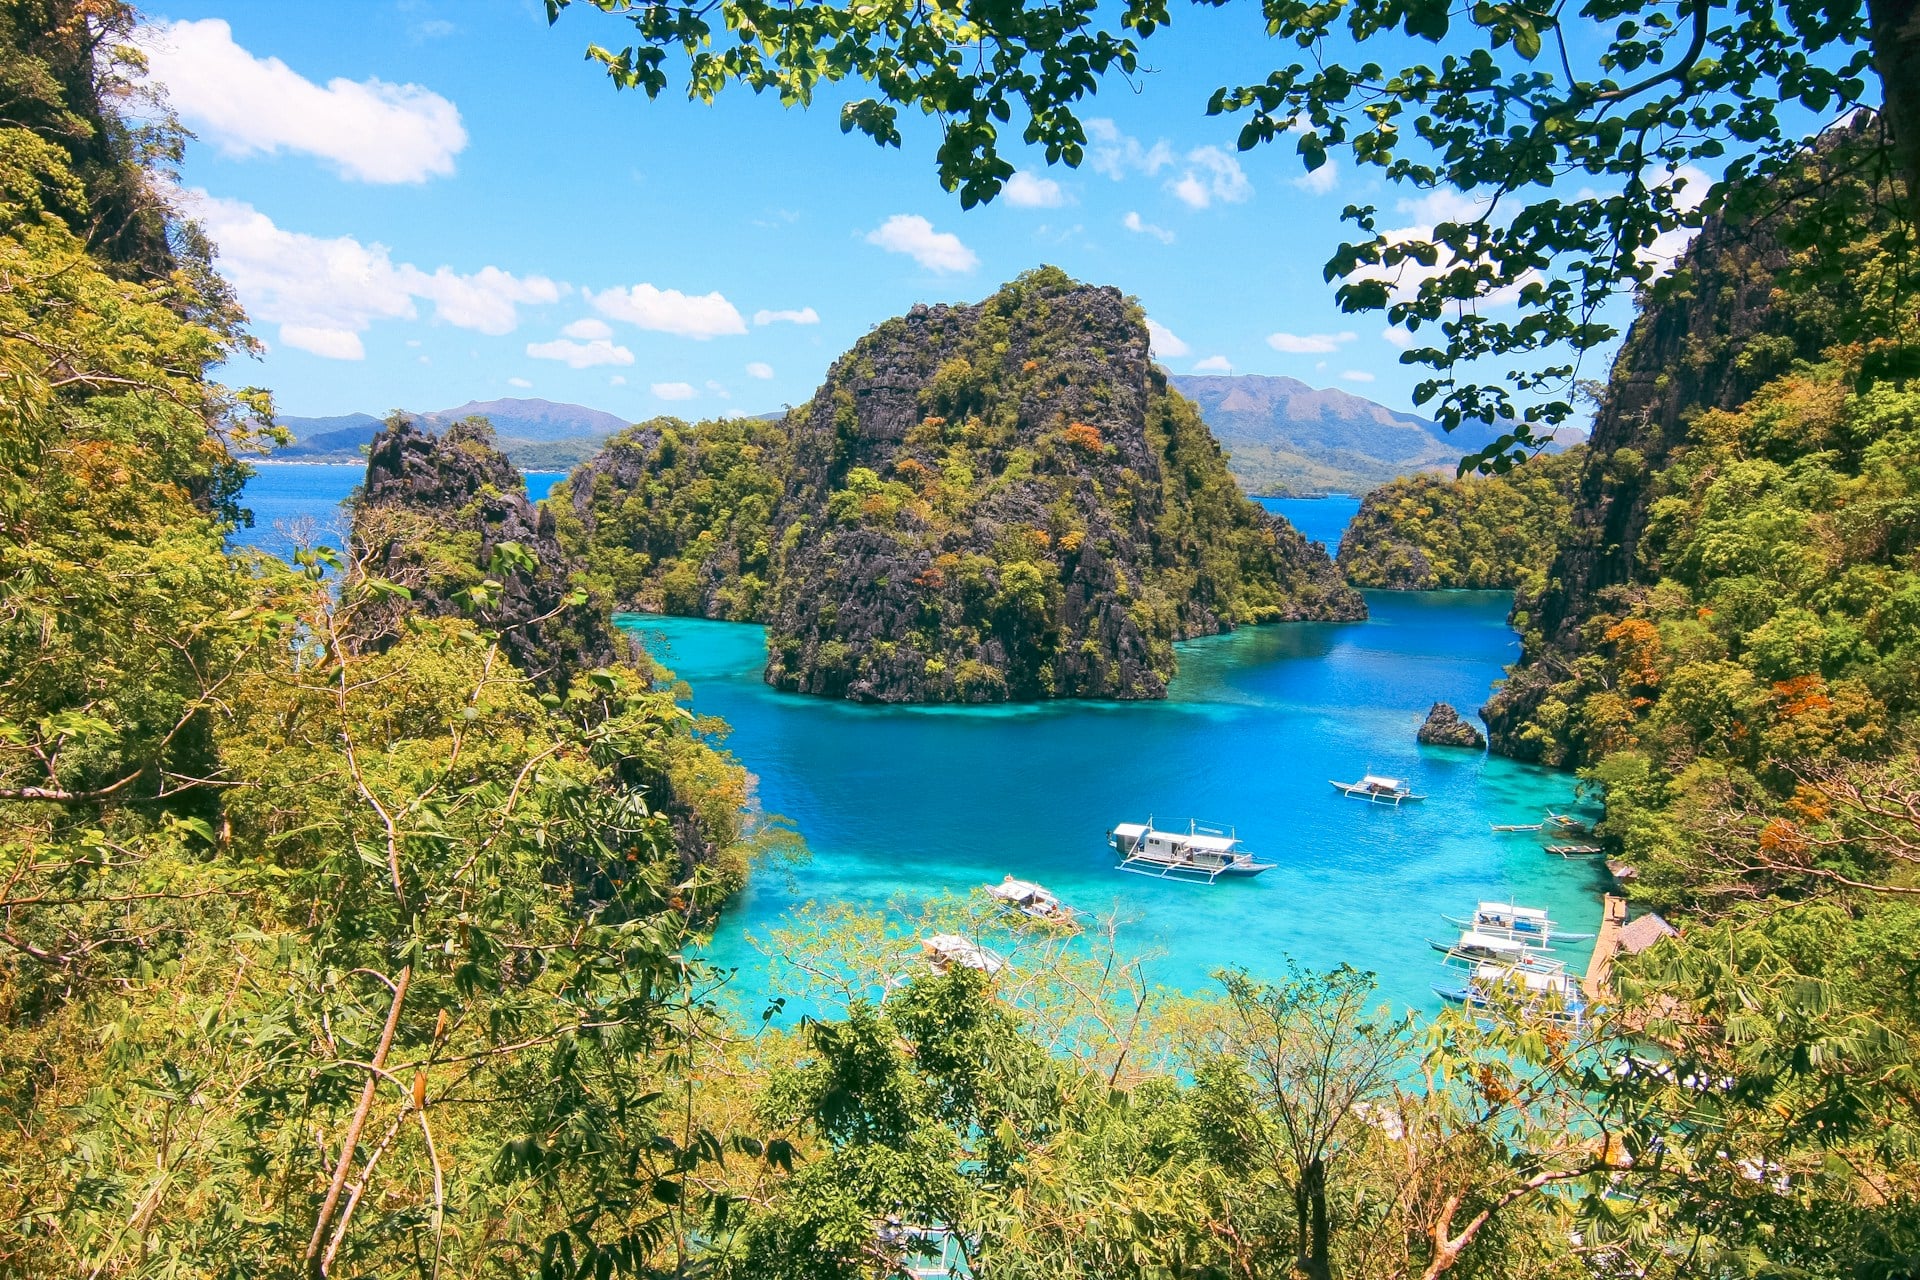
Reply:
x=1034 y=901
x=1377 y=789
x=1198 y=853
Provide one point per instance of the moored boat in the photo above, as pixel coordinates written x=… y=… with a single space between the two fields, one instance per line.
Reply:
x=1552 y=992
x=1378 y=789
x=1198 y=853
x=944 y=950
x=1476 y=946
x=1504 y=918
x=1034 y=901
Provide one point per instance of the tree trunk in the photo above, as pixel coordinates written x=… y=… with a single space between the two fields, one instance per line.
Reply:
x=1310 y=1208
x=1896 y=56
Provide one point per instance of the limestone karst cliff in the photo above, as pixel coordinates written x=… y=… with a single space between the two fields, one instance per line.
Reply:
x=983 y=503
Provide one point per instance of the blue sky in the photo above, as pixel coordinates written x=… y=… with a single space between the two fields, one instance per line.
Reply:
x=423 y=202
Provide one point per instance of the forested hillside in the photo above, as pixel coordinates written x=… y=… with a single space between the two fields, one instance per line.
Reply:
x=304 y=932
x=1002 y=501
x=1426 y=533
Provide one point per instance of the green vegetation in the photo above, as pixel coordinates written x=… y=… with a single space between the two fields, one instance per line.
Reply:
x=1424 y=533
x=314 y=957
x=678 y=518
x=1505 y=101
x=1002 y=501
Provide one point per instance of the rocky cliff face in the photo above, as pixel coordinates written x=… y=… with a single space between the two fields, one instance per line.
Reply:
x=1721 y=328
x=446 y=515
x=982 y=503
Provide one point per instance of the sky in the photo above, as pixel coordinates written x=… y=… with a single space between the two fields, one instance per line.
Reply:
x=426 y=202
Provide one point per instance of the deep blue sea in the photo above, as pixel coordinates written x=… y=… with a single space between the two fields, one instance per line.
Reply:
x=897 y=804
x=294 y=502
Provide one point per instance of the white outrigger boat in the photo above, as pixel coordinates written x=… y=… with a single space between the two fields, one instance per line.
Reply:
x=1034 y=901
x=1198 y=853
x=1504 y=919
x=1378 y=789
x=1475 y=947
x=945 y=950
x=1550 y=991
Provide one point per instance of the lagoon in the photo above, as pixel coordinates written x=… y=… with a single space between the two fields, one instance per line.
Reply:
x=897 y=804
x=900 y=803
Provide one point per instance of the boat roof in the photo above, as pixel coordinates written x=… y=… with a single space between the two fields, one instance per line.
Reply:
x=955 y=948
x=1531 y=979
x=1381 y=780
x=1212 y=844
x=1132 y=830
x=1018 y=889
x=1491 y=942
x=1508 y=909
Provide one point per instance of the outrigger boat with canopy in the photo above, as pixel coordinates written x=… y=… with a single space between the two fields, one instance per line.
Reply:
x=945 y=950
x=1378 y=789
x=1507 y=920
x=1549 y=991
x=1498 y=947
x=1198 y=853
x=1034 y=901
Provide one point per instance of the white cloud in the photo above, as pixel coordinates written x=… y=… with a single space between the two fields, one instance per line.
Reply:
x=588 y=329
x=1394 y=336
x=1024 y=191
x=674 y=390
x=805 y=315
x=719 y=389
x=1117 y=155
x=1133 y=222
x=1211 y=175
x=484 y=301
x=1444 y=204
x=323 y=292
x=1163 y=341
x=617 y=380
x=701 y=316
x=1690 y=185
x=369 y=130
x=1213 y=364
x=1308 y=344
x=914 y=236
x=759 y=370
x=1320 y=181
x=580 y=355
x=334 y=344
x=1356 y=375
x=521 y=383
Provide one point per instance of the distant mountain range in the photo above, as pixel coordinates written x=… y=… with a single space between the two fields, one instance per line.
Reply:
x=1284 y=436
x=538 y=435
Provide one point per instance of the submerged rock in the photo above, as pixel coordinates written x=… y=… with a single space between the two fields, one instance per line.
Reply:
x=1445 y=728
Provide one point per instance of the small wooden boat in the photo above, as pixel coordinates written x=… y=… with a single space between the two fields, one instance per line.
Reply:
x=1571 y=826
x=1198 y=853
x=944 y=950
x=1517 y=826
x=1576 y=850
x=1378 y=789
x=1506 y=919
x=1034 y=901
x=1550 y=992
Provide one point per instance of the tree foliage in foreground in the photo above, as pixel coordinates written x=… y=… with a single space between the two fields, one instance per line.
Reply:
x=1510 y=105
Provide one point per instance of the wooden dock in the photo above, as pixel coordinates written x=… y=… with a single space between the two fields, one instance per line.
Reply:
x=1600 y=968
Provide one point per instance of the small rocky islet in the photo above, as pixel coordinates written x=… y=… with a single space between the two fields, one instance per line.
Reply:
x=987 y=503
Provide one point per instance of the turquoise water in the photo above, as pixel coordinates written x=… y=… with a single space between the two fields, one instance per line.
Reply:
x=1321 y=519
x=907 y=802
x=290 y=499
